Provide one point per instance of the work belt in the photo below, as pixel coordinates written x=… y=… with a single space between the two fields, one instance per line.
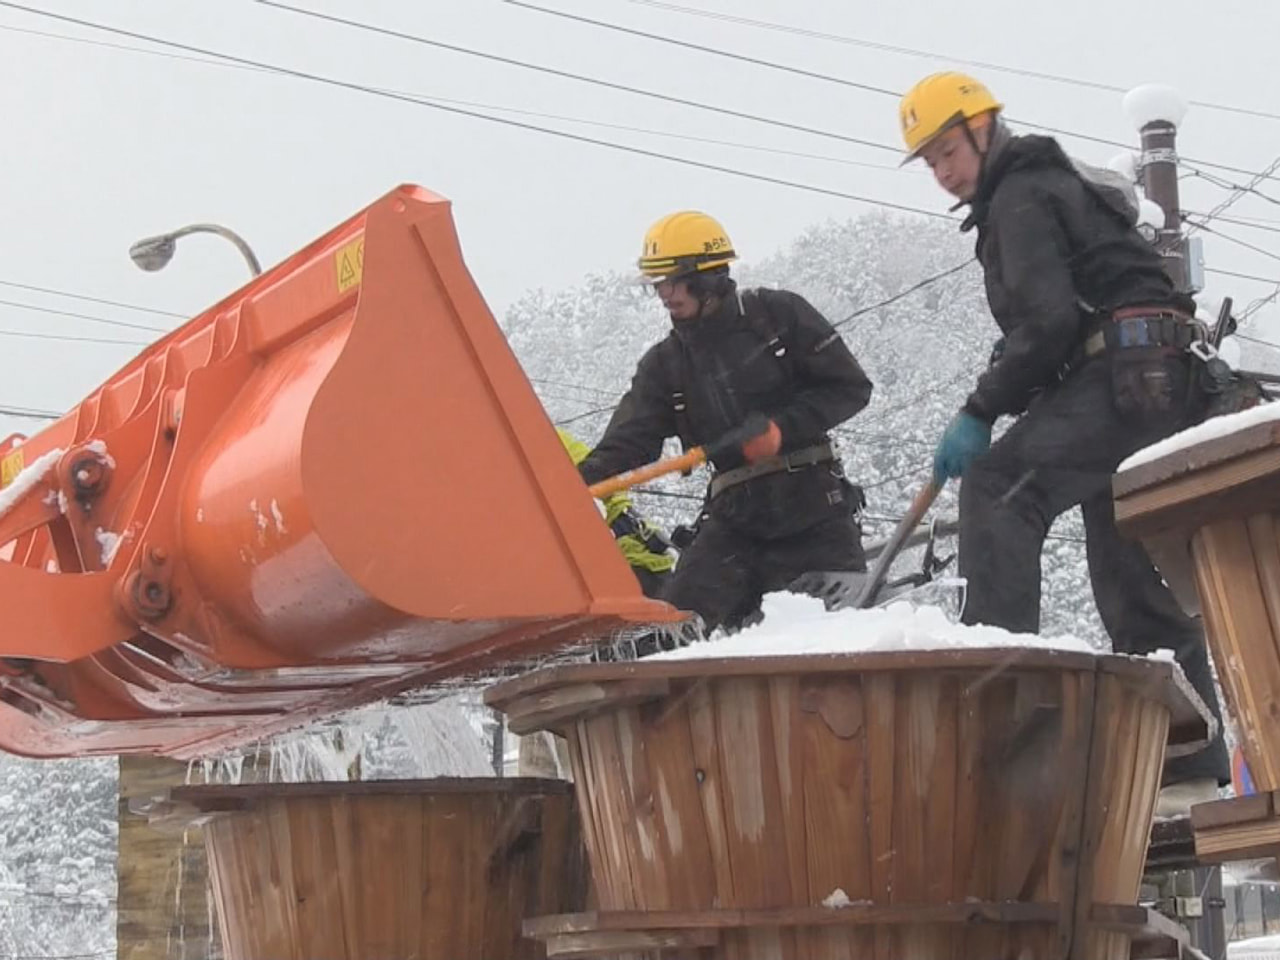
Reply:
x=1143 y=327
x=789 y=462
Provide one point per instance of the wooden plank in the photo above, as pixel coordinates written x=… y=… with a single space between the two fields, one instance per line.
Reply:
x=593 y=831
x=1191 y=723
x=1205 y=454
x=613 y=810
x=1233 y=811
x=316 y=881
x=550 y=709
x=880 y=703
x=160 y=873
x=1239 y=632
x=786 y=722
x=951 y=914
x=1079 y=697
x=239 y=796
x=704 y=737
x=996 y=659
x=636 y=786
x=833 y=746
x=748 y=770
x=1226 y=490
x=573 y=945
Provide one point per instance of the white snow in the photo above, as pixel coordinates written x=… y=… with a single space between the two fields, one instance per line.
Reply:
x=1257 y=948
x=836 y=899
x=1211 y=429
x=108 y=544
x=100 y=448
x=277 y=516
x=1154 y=101
x=1150 y=214
x=25 y=481
x=1125 y=163
x=795 y=624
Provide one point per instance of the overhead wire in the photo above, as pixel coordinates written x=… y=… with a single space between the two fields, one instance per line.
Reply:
x=569 y=75
x=931 y=55
x=498 y=108
x=549 y=131
x=788 y=68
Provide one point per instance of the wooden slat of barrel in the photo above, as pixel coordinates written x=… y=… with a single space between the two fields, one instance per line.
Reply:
x=1243 y=640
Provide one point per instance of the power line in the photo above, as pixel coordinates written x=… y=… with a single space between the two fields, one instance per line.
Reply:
x=909 y=51
x=67 y=338
x=699 y=47
x=647 y=131
x=99 y=300
x=898 y=296
x=1238 y=242
x=807 y=73
x=81 y=316
x=1236 y=194
x=561 y=134
x=28 y=413
x=1240 y=276
x=1233 y=220
x=565 y=74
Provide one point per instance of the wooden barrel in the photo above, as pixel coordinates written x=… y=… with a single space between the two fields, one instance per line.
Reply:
x=1209 y=515
x=984 y=804
x=443 y=869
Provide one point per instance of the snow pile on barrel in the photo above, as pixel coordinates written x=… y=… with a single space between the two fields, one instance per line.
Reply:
x=795 y=624
x=1211 y=429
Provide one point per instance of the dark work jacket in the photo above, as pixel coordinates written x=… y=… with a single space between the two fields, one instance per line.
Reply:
x=726 y=371
x=1049 y=243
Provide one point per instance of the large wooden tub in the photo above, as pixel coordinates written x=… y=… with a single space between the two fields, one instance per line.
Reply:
x=1209 y=515
x=442 y=869
x=984 y=804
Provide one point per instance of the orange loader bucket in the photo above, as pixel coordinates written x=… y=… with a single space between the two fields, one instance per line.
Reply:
x=332 y=486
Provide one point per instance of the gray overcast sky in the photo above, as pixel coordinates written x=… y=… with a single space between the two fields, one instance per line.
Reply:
x=104 y=145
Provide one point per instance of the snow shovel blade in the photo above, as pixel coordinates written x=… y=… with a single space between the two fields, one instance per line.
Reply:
x=835 y=588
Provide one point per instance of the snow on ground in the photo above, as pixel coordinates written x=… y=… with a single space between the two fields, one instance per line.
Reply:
x=1257 y=948
x=795 y=624
x=1211 y=429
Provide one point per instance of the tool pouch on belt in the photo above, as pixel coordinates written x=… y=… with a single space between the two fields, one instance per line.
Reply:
x=1221 y=390
x=1149 y=368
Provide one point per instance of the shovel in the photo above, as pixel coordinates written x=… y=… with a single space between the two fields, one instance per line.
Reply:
x=859 y=590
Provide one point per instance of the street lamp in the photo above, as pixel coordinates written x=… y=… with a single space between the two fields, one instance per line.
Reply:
x=154 y=253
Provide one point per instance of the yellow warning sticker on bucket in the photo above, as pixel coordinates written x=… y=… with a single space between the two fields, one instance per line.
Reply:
x=10 y=467
x=349 y=261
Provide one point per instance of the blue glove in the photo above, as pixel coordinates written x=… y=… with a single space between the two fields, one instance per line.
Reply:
x=965 y=438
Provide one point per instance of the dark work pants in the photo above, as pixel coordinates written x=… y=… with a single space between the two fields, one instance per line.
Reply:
x=724 y=573
x=653 y=583
x=1063 y=452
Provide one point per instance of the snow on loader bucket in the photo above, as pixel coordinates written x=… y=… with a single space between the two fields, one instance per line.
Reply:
x=334 y=485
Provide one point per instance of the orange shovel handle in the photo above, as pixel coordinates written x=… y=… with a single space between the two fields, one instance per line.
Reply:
x=625 y=481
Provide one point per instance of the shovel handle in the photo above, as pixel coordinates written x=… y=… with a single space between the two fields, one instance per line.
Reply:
x=625 y=481
x=893 y=546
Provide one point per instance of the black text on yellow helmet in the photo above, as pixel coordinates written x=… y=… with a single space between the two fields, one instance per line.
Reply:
x=939 y=102
x=684 y=242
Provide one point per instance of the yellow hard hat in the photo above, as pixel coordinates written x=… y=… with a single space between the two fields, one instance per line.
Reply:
x=684 y=242
x=939 y=102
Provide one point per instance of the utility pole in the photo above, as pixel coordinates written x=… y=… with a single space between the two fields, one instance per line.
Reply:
x=1157 y=111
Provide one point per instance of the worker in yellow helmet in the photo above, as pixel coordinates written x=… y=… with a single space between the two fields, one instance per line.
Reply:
x=641 y=543
x=1094 y=362
x=758 y=377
